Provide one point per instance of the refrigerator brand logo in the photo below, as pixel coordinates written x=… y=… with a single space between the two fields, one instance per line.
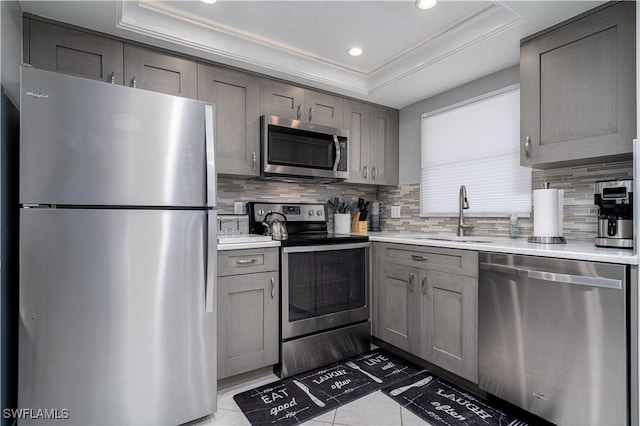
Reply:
x=38 y=95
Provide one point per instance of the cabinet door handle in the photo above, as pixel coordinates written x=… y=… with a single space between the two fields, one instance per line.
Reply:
x=419 y=258
x=424 y=285
x=373 y=173
x=310 y=113
x=299 y=112
x=113 y=78
x=411 y=279
x=246 y=261
x=134 y=82
x=527 y=147
x=254 y=160
x=273 y=287
x=364 y=172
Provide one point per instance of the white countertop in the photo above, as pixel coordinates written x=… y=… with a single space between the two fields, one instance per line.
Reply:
x=570 y=250
x=250 y=241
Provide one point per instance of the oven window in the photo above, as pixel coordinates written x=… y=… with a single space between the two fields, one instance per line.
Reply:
x=326 y=282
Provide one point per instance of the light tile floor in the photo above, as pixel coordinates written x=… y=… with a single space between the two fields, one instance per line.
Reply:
x=373 y=409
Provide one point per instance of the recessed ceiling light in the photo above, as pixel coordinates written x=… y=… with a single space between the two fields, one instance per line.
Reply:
x=355 y=51
x=209 y=1
x=425 y=4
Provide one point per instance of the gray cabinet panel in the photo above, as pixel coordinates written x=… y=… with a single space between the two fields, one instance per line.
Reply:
x=282 y=100
x=151 y=70
x=578 y=90
x=247 y=322
x=450 y=323
x=324 y=109
x=295 y=103
x=358 y=121
x=248 y=310
x=238 y=119
x=426 y=303
x=61 y=49
x=374 y=143
x=398 y=307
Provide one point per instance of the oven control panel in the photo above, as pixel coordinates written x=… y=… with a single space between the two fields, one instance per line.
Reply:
x=294 y=212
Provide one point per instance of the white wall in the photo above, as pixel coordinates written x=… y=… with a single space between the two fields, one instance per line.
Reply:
x=410 y=122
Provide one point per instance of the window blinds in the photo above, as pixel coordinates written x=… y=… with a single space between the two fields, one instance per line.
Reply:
x=476 y=145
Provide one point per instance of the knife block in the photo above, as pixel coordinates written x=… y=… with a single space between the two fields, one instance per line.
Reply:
x=358 y=226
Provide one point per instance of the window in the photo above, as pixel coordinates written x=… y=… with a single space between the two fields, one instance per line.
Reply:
x=475 y=144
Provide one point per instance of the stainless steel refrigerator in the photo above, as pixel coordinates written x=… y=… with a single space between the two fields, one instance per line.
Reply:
x=117 y=254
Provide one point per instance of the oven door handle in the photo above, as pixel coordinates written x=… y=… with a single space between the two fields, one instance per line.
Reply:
x=327 y=247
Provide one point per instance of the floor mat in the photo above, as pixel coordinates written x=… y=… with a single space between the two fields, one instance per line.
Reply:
x=296 y=399
x=443 y=404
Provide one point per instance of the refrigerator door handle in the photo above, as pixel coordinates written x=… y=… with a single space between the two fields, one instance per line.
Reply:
x=210 y=153
x=211 y=261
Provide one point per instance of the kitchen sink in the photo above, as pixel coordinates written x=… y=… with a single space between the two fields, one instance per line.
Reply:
x=455 y=239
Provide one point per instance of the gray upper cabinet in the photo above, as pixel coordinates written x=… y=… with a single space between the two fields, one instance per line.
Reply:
x=357 y=120
x=68 y=51
x=373 y=143
x=152 y=70
x=236 y=97
x=295 y=103
x=577 y=88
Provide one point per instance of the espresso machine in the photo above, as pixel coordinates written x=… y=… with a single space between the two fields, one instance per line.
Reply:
x=614 y=199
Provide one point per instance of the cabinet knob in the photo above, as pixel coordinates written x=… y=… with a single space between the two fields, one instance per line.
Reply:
x=310 y=113
x=364 y=172
x=134 y=82
x=411 y=279
x=112 y=79
x=299 y=112
x=253 y=164
x=424 y=285
x=527 y=147
x=273 y=287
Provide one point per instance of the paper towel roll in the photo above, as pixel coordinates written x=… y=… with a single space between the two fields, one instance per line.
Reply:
x=547 y=212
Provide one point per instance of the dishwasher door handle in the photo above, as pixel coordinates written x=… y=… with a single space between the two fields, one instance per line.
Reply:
x=554 y=276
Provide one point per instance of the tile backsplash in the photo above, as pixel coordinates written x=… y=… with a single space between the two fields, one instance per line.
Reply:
x=236 y=189
x=580 y=221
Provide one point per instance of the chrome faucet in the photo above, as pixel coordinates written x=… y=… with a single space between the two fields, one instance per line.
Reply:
x=463 y=205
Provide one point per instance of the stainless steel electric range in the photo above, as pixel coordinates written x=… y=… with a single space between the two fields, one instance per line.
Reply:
x=324 y=281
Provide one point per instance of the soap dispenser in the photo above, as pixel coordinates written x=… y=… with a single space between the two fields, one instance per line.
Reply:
x=513 y=226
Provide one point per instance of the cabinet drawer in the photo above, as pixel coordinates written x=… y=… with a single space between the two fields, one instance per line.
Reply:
x=234 y=262
x=462 y=262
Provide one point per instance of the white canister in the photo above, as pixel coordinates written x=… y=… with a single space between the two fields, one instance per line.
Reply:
x=342 y=223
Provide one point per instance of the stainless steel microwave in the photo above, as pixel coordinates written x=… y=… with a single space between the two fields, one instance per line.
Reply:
x=293 y=150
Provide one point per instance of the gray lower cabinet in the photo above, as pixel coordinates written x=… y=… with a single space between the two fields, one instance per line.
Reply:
x=236 y=97
x=248 y=306
x=61 y=49
x=157 y=71
x=295 y=103
x=426 y=303
x=577 y=89
x=373 y=143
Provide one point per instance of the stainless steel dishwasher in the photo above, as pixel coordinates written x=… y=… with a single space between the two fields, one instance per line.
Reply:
x=553 y=337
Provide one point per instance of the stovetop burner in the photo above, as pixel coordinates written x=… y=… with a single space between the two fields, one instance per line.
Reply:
x=306 y=224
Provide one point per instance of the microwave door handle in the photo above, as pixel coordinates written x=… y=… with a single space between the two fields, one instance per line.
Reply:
x=336 y=142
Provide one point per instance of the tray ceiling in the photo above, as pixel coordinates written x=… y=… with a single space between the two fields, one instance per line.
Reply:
x=409 y=54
